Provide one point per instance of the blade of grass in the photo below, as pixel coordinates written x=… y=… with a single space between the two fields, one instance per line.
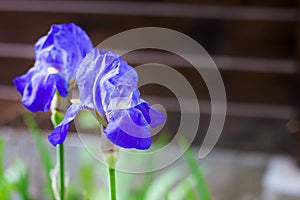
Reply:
x=1 y=156
x=135 y=190
x=167 y=195
x=189 y=188
x=164 y=182
x=4 y=192
x=196 y=171
x=184 y=189
x=45 y=155
x=87 y=177
x=17 y=176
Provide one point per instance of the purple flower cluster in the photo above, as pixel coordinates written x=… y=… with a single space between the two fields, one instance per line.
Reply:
x=108 y=87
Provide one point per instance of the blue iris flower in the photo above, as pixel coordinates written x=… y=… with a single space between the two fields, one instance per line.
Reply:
x=57 y=58
x=108 y=87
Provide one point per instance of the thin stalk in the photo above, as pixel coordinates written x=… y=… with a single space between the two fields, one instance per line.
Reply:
x=110 y=153
x=112 y=183
x=56 y=119
x=61 y=161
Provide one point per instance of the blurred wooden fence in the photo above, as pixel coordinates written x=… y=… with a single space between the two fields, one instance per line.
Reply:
x=254 y=44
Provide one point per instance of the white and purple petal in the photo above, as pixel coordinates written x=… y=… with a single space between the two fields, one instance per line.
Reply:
x=64 y=46
x=110 y=85
x=20 y=82
x=38 y=89
x=59 y=134
x=128 y=129
x=57 y=55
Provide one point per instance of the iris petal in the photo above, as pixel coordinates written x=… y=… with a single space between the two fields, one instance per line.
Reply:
x=20 y=82
x=128 y=128
x=64 y=46
x=61 y=84
x=121 y=138
x=89 y=69
x=59 y=134
x=107 y=76
x=38 y=93
x=153 y=116
x=144 y=108
x=157 y=117
x=38 y=89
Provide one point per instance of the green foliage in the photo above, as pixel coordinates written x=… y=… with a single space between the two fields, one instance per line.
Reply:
x=56 y=118
x=14 y=179
x=185 y=189
x=1 y=156
x=177 y=182
x=87 y=120
x=4 y=187
x=87 y=179
x=164 y=182
x=196 y=172
x=17 y=178
x=44 y=153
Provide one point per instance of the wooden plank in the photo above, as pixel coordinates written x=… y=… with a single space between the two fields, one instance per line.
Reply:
x=224 y=62
x=296 y=91
x=152 y=9
x=241 y=109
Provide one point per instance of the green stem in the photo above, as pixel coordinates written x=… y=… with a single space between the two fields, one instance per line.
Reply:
x=56 y=118
x=112 y=183
x=58 y=107
x=61 y=161
x=110 y=153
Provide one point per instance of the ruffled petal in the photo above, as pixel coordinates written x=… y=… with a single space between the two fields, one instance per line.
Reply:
x=120 y=138
x=71 y=35
x=144 y=108
x=59 y=134
x=38 y=89
x=118 y=84
x=157 y=117
x=61 y=84
x=64 y=47
x=109 y=77
x=20 y=82
x=89 y=69
x=128 y=129
x=39 y=93
x=153 y=116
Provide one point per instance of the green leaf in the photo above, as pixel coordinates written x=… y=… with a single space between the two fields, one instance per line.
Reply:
x=167 y=195
x=17 y=177
x=45 y=155
x=164 y=182
x=196 y=171
x=189 y=186
x=87 y=178
x=4 y=186
x=87 y=120
x=1 y=156
x=184 y=189
x=135 y=190
x=56 y=118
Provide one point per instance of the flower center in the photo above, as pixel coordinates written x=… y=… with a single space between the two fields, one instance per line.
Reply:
x=124 y=103
x=52 y=70
x=75 y=100
x=118 y=103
